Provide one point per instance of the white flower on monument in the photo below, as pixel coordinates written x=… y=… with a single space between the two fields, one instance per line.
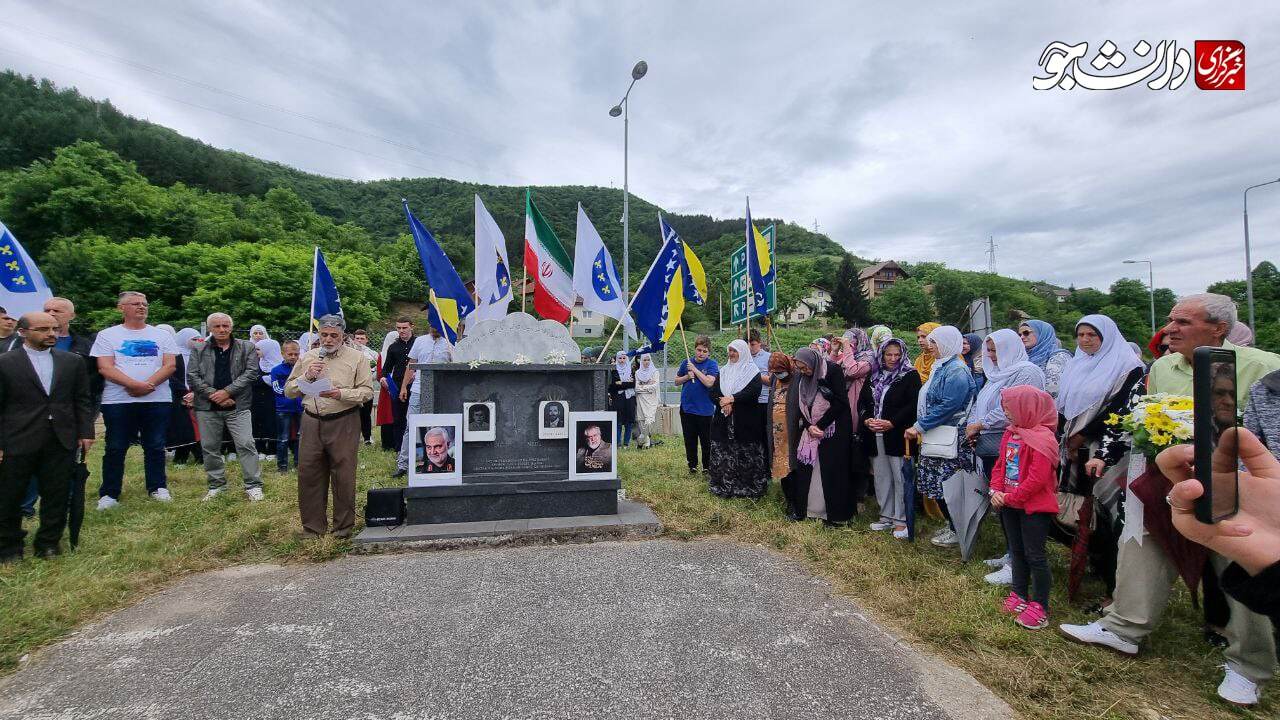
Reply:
x=557 y=357
x=477 y=362
x=521 y=359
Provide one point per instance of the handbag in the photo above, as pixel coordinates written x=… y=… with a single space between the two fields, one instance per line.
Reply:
x=943 y=442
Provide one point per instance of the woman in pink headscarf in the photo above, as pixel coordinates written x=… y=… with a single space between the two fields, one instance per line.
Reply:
x=854 y=355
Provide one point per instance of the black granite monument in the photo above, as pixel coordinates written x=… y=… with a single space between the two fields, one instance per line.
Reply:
x=517 y=475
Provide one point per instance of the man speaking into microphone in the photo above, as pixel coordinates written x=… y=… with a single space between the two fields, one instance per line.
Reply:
x=333 y=380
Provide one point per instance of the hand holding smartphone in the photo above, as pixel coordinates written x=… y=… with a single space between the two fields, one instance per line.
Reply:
x=1216 y=420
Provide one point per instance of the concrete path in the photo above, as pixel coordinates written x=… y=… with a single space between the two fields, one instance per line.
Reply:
x=618 y=630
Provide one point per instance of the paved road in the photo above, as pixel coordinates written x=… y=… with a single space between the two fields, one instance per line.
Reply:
x=655 y=629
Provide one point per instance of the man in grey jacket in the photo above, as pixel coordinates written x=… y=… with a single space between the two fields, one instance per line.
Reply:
x=222 y=374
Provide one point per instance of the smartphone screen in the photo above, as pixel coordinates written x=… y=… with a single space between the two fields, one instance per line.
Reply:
x=1216 y=419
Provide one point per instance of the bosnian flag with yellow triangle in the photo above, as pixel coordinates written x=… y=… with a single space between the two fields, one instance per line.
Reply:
x=547 y=263
x=449 y=301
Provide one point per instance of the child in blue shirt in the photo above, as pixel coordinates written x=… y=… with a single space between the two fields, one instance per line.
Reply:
x=288 y=410
x=696 y=407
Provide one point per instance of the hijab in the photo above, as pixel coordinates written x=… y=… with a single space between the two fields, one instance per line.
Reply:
x=1088 y=379
x=882 y=378
x=779 y=365
x=878 y=334
x=1034 y=418
x=924 y=363
x=646 y=375
x=183 y=339
x=809 y=383
x=857 y=342
x=622 y=364
x=736 y=375
x=1241 y=335
x=1137 y=350
x=259 y=328
x=1011 y=358
x=167 y=328
x=822 y=343
x=972 y=358
x=305 y=340
x=949 y=342
x=1046 y=342
x=269 y=355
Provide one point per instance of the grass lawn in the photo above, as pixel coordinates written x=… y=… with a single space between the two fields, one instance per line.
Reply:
x=919 y=591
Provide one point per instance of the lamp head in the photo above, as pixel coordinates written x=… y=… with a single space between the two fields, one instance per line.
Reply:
x=639 y=70
x=615 y=111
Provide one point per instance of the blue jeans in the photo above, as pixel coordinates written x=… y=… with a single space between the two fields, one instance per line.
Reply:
x=286 y=439
x=624 y=434
x=29 y=500
x=146 y=422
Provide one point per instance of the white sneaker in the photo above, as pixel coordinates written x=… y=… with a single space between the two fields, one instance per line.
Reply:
x=162 y=495
x=254 y=494
x=106 y=502
x=946 y=539
x=997 y=562
x=1003 y=576
x=901 y=534
x=231 y=457
x=213 y=493
x=941 y=532
x=881 y=525
x=1237 y=689
x=1095 y=634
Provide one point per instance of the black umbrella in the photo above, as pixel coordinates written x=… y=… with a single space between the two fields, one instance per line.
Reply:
x=75 y=504
x=909 y=492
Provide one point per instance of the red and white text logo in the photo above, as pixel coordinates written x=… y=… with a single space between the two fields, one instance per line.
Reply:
x=1219 y=65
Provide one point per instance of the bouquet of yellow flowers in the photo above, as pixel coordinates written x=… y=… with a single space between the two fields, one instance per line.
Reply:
x=1157 y=421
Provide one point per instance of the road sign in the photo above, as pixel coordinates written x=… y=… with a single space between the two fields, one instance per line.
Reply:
x=739 y=297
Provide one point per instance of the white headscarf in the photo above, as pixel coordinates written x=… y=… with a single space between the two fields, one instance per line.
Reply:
x=646 y=375
x=386 y=341
x=949 y=340
x=734 y=376
x=622 y=364
x=1088 y=379
x=183 y=340
x=167 y=328
x=305 y=340
x=259 y=328
x=269 y=355
x=1011 y=357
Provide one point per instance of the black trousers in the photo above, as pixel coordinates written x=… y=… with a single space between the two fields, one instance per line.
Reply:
x=366 y=421
x=697 y=430
x=1026 y=534
x=399 y=412
x=52 y=465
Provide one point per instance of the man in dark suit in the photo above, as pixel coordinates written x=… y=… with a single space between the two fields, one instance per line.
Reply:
x=45 y=416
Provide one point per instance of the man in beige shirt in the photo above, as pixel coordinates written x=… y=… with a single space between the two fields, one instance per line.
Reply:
x=330 y=430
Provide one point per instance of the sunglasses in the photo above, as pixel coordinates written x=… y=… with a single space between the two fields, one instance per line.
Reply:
x=1027 y=333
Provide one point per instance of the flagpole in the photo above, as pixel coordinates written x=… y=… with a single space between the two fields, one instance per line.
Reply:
x=315 y=264
x=746 y=247
x=643 y=280
x=683 y=338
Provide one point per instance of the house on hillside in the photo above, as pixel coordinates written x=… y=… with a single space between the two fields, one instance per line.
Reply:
x=880 y=277
x=1060 y=295
x=587 y=323
x=816 y=302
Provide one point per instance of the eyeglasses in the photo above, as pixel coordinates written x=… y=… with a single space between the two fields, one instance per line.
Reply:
x=1027 y=333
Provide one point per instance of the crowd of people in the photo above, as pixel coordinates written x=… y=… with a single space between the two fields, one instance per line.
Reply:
x=848 y=422
x=851 y=422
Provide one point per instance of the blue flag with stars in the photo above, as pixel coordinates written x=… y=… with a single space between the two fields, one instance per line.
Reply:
x=660 y=301
x=595 y=279
x=22 y=287
x=324 y=292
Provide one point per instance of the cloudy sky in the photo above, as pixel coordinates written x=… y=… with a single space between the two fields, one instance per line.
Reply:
x=904 y=132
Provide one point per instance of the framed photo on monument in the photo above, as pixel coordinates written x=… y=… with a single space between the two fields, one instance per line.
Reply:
x=436 y=458
x=553 y=420
x=481 y=419
x=593 y=454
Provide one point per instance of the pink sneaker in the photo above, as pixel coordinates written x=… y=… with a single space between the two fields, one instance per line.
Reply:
x=1013 y=604
x=1033 y=617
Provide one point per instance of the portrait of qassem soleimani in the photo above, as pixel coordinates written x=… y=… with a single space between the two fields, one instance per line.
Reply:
x=437 y=452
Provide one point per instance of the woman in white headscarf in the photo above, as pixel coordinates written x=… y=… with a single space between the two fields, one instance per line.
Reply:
x=738 y=467
x=1099 y=380
x=181 y=435
x=1005 y=364
x=943 y=400
x=263 y=410
x=646 y=377
x=622 y=397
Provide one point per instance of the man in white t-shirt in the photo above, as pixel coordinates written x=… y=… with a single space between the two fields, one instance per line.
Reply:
x=428 y=350
x=135 y=360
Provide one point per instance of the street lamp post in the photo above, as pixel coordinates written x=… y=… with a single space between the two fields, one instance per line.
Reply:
x=1151 y=289
x=1248 y=263
x=621 y=108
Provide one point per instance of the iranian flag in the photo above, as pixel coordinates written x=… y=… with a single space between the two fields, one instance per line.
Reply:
x=548 y=264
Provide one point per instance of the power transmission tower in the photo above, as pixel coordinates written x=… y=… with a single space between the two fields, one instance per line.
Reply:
x=991 y=254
